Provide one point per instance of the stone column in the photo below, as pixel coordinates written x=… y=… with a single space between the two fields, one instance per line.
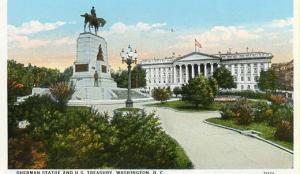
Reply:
x=205 y=70
x=232 y=69
x=199 y=69
x=147 y=76
x=180 y=74
x=239 y=73
x=167 y=74
x=212 y=69
x=245 y=73
x=193 y=71
x=161 y=75
x=152 y=75
x=251 y=73
x=174 y=75
x=186 y=74
x=219 y=65
x=265 y=66
x=156 y=78
x=258 y=68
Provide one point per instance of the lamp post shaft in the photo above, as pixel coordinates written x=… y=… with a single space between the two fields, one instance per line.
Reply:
x=129 y=102
x=129 y=57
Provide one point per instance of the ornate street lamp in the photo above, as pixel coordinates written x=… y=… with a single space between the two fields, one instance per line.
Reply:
x=129 y=57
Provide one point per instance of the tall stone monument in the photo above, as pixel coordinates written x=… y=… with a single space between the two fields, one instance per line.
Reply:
x=91 y=57
x=91 y=71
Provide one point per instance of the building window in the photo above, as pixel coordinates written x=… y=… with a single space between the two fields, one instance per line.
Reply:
x=235 y=78
x=249 y=79
x=242 y=86
x=256 y=78
x=242 y=78
x=255 y=86
x=248 y=87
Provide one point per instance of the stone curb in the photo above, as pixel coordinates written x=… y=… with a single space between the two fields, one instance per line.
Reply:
x=253 y=135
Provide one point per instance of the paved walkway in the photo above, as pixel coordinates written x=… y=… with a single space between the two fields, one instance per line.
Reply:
x=211 y=147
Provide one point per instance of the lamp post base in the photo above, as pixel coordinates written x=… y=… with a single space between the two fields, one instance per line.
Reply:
x=129 y=104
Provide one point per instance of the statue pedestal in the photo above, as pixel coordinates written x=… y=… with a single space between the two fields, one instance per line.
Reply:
x=91 y=57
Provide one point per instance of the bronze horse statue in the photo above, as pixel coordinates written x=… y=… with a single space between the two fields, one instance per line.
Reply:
x=94 y=22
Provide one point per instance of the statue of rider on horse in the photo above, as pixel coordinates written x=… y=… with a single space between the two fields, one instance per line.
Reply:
x=93 y=21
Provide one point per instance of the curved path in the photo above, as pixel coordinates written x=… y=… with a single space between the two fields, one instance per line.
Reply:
x=211 y=147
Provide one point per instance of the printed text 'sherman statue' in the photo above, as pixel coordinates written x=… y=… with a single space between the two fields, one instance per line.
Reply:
x=91 y=71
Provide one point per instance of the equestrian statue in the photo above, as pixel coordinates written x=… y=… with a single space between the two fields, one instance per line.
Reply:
x=93 y=21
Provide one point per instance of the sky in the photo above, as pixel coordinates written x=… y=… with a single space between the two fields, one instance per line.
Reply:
x=44 y=33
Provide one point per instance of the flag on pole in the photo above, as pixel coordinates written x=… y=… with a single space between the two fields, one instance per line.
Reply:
x=197 y=44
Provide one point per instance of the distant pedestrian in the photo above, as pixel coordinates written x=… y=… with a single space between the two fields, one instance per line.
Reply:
x=96 y=77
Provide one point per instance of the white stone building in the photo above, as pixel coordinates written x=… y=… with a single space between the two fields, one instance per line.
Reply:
x=175 y=71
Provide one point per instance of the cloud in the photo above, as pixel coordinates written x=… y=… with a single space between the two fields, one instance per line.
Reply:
x=156 y=40
x=20 y=37
x=280 y=23
x=120 y=27
x=33 y=26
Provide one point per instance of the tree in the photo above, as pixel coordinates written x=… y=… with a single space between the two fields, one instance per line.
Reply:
x=67 y=74
x=224 y=78
x=198 y=91
x=177 y=91
x=62 y=92
x=213 y=84
x=268 y=80
x=138 y=77
x=161 y=94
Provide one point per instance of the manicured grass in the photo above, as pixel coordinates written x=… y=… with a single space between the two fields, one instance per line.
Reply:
x=266 y=130
x=128 y=109
x=187 y=106
x=182 y=160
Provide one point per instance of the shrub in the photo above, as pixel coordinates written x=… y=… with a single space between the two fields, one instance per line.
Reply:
x=226 y=112
x=62 y=92
x=198 y=91
x=268 y=114
x=282 y=113
x=33 y=109
x=243 y=112
x=24 y=153
x=278 y=99
x=177 y=91
x=142 y=143
x=260 y=109
x=246 y=94
x=161 y=94
x=284 y=131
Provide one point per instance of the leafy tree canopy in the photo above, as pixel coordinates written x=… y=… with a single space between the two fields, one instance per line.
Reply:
x=198 y=91
x=268 y=80
x=224 y=78
x=138 y=76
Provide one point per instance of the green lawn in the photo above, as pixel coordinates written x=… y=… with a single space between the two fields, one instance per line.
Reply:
x=182 y=160
x=266 y=130
x=187 y=106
